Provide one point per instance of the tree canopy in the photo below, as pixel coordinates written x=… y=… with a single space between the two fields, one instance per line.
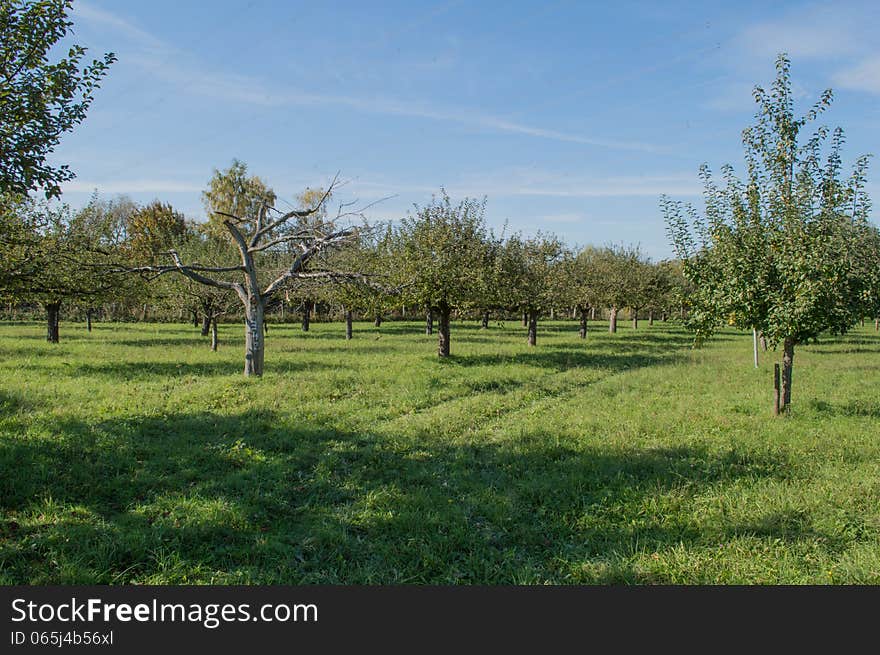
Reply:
x=40 y=99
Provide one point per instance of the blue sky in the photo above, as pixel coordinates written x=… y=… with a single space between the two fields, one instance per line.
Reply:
x=572 y=117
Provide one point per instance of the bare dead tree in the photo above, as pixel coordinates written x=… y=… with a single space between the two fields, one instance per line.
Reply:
x=301 y=235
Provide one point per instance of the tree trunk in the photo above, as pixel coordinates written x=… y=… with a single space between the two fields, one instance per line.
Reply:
x=484 y=323
x=650 y=317
x=787 y=365
x=755 y=345
x=307 y=315
x=206 y=325
x=89 y=319
x=429 y=321
x=552 y=314
x=877 y=325
x=253 y=339
x=195 y=319
x=53 y=310
x=636 y=318
x=582 y=332
x=443 y=341
x=214 y=341
x=612 y=320
x=348 y=319
x=533 y=328
x=525 y=319
x=378 y=321
x=763 y=341
x=592 y=313
x=144 y=313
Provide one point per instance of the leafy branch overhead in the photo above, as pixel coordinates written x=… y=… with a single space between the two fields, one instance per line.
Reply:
x=40 y=99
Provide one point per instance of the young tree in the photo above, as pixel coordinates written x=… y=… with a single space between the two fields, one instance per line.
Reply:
x=777 y=252
x=440 y=249
x=40 y=99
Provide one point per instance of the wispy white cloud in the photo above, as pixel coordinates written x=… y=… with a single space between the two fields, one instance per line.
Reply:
x=193 y=78
x=821 y=32
x=564 y=217
x=133 y=186
x=841 y=34
x=537 y=183
x=94 y=15
x=864 y=76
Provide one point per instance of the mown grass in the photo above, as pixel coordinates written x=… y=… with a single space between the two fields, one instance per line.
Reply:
x=136 y=455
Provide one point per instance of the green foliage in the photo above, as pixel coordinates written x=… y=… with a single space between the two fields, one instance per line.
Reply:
x=441 y=249
x=616 y=276
x=531 y=278
x=780 y=251
x=40 y=100
x=233 y=191
x=154 y=229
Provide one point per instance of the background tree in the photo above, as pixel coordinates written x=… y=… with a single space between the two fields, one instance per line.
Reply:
x=441 y=247
x=640 y=276
x=20 y=255
x=233 y=192
x=65 y=258
x=532 y=276
x=615 y=269
x=583 y=285
x=778 y=251
x=40 y=99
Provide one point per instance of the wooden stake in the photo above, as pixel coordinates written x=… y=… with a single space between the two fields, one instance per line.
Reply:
x=777 y=395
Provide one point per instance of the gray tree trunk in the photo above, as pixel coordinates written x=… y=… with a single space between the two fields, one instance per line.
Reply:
x=525 y=319
x=254 y=344
x=206 y=324
x=533 y=328
x=443 y=340
x=378 y=321
x=348 y=320
x=612 y=320
x=636 y=318
x=484 y=320
x=651 y=317
x=214 y=341
x=89 y=319
x=787 y=366
x=53 y=312
x=429 y=321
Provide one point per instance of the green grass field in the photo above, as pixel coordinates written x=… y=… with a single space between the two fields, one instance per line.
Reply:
x=136 y=455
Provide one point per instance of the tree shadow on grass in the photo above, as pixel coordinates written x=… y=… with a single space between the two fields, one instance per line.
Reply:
x=248 y=496
x=866 y=409
x=565 y=358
